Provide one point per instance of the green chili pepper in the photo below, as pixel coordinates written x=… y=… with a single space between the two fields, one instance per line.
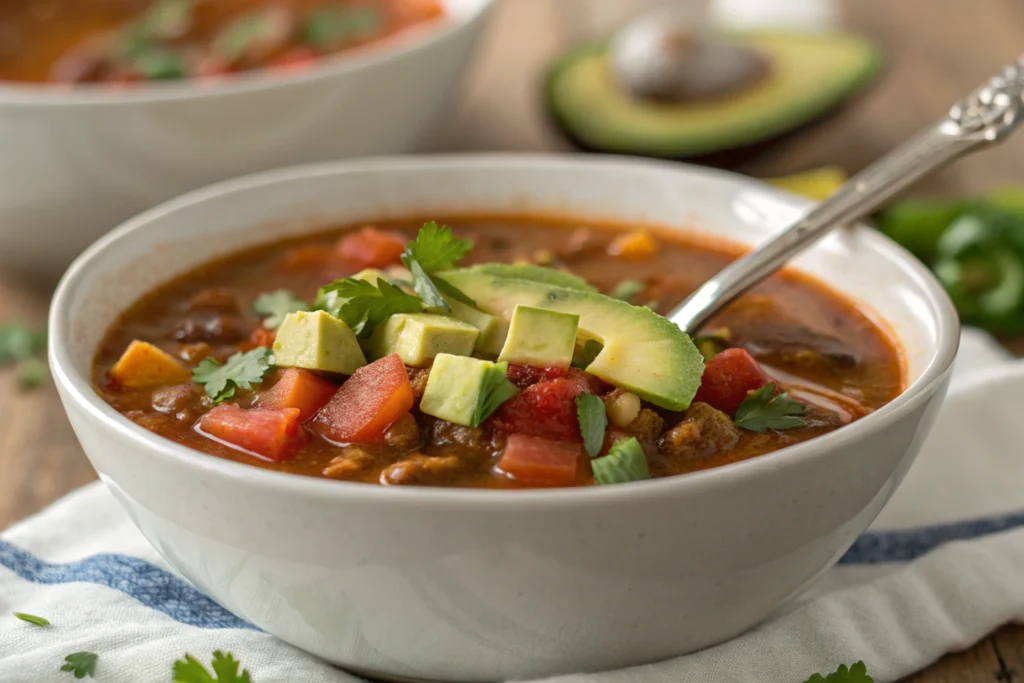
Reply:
x=919 y=224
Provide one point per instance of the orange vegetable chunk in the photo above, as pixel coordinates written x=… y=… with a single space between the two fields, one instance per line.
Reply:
x=300 y=389
x=274 y=433
x=367 y=403
x=539 y=461
x=145 y=365
x=371 y=248
x=635 y=246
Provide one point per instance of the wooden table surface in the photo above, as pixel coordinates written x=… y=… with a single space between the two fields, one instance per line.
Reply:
x=937 y=50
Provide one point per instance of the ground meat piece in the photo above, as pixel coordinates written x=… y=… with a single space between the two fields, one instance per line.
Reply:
x=146 y=420
x=352 y=464
x=181 y=397
x=214 y=300
x=703 y=432
x=422 y=469
x=215 y=329
x=404 y=434
x=647 y=426
x=445 y=433
x=418 y=380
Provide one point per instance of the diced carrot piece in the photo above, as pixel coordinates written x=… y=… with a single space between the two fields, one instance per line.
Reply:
x=728 y=377
x=367 y=403
x=274 y=433
x=300 y=389
x=635 y=245
x=144 y=365
x=538 y=461
x=371 y=248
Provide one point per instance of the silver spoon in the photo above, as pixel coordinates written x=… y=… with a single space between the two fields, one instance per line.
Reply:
x=985 y=117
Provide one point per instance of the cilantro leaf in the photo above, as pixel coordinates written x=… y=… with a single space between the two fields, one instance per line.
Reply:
x=495 y=390
x=625 y=462
x=627 y=289
x=225 y=666
x=274 y=306
x=426 y=288
x=763 y=410
x=32 y=373
x=32 y=619
x=240 y=371
x=362 y=305
x=81 y=663
x=327 y=28
x=858 y=673
x=451 y=291
x=435 y=248
x=593 y=422
x=586 y=354
x=19 y=342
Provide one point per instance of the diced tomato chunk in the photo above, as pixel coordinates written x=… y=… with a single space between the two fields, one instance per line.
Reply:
x=728 y=377
x=312 y=257
x=371 y=248
x=367 y=403
x=274 y=433
x=300 y=389
x=527 y=375
x=540 y=462
x=261 y=336
x=546 y=409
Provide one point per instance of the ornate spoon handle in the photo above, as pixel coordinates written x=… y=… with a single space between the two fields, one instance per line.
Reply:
x=986 y=116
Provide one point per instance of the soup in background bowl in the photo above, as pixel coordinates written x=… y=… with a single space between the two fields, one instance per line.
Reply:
x=467 y=583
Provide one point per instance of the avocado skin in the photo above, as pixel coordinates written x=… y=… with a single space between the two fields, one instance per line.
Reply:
x=725 y=156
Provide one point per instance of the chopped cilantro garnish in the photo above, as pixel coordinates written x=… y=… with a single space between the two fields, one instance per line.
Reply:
x=586 y=354
x=763 y=410
x=81 y=663
x=274 y=306
x=362 y=305
x=627 y=289
x=858 y=673
x=435 y=249
x=32 y=619
x=327 y=28
x=593 y=422
x=225 y=667
x=260 y=27
x=625 y=462
x=166 y=19
x=494 y=390
x=240 y=371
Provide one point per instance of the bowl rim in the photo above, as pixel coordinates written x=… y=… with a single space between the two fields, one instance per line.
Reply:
x=77 y=388
x=405 y=43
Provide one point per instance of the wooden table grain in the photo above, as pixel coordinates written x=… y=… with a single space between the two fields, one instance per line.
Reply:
x=936 y=51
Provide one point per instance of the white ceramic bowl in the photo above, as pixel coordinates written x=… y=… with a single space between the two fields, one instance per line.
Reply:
x=477 y=585
x=75 y=162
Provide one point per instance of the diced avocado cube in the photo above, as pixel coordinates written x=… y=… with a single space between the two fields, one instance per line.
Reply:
x=465 y=390
x=418 y=337
x=540 y=337
x=493 y=330
x=316 y=340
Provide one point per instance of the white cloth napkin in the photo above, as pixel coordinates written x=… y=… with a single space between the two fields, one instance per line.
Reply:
x=940 y=569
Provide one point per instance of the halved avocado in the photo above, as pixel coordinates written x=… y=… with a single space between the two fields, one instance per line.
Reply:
x=808 y=76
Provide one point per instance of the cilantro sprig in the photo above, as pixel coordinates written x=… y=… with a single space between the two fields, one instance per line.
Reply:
x=625 y=462
x=627 y=289
x=225 y=668
x=241 y=371
x=435 y=249
x=494 y=390
x=81 y=664
x=763 y=410
x=858 y=673
x=20 y=345
x=274 y=306
x=32 y=619
x=593 y=422
x=362 y=305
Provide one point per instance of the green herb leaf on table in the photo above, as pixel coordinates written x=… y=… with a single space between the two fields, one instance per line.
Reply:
x=241 y=371
x=32 y=619
x=19 y=342
x=858 y=673
x=224 y=665
x=363 y=306
x=763 y=410
x=625 y=462
x=81 y=664
x=328 y=28
x=495 y=390
x=627 y=289
x=593 y=422
x=274 y=306
x=435 y=249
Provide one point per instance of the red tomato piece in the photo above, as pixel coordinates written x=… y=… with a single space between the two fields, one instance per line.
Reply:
x=371 y=248
x=261 y=336
x=540 y=462
x=546 y=409
x=367 y=403
x=294 y=60
x=527 y=375
x=728 y=378
x=300 y=389
x=274 y=433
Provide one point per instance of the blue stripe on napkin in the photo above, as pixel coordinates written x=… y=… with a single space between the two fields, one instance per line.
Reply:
x=150 y=585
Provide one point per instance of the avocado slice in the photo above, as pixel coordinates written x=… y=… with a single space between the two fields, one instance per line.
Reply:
x=465 y=390
x=540 y=337
x=808 y=76
x=527 y=271
x=643 y=352
x=418 y=337
x=316 y=340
